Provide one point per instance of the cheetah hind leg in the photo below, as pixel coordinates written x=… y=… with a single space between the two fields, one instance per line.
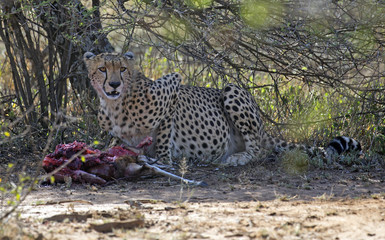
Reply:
x=243 y=113
x=243 y=157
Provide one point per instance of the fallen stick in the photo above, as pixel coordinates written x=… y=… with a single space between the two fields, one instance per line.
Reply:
x=156 y=170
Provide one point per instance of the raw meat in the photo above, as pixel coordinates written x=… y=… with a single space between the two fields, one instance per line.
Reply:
x=87 y=165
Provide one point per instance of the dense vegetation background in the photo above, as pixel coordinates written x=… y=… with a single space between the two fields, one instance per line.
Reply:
x=316 y=68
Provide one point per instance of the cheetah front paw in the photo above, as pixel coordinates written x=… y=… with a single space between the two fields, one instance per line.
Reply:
x=238 y=159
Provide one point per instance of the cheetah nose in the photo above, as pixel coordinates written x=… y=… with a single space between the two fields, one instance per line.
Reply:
x=114 y=84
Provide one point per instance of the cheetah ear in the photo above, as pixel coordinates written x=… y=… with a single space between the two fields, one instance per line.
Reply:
x=88 y=56
x=129 y=55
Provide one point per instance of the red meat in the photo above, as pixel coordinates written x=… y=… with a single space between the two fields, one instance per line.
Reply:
x=87 y=165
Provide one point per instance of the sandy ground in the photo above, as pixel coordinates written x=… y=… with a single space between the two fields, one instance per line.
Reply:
x=251 y=202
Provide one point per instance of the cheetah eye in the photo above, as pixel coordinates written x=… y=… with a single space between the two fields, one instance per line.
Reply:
x=123 y=69
x=102 y=69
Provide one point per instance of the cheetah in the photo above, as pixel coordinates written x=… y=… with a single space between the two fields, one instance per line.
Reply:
x=212 y=125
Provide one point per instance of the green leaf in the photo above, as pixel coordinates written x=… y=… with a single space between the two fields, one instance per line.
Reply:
x=52 y=179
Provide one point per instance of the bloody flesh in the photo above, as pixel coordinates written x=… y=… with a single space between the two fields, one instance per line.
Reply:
x=85 y=164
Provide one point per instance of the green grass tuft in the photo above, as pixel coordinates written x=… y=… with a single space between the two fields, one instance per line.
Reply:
x=295 y=162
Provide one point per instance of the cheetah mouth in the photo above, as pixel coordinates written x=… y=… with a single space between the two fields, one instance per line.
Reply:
x=113 y=94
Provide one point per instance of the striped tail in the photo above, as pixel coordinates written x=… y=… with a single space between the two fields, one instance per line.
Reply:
x=336 y=147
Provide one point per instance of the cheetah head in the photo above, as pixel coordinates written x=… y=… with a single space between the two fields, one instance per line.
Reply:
x=110 y=73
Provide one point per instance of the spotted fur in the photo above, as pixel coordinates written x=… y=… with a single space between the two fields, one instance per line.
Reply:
x=222 y=126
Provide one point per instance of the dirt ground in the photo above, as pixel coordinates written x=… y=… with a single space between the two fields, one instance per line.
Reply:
x=257 y=201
